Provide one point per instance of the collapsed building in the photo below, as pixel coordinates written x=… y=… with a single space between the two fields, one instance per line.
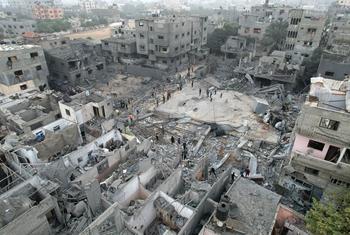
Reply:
x=319 y=162
x=27 y=111
x=78 y=63
x=269 y=69
x=22 y=68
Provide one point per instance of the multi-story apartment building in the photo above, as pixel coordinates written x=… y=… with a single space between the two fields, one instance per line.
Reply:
x=25 y=6
x=43 y=12
x=304 y=34
x=254 y=22
x=13 y=27
x=22 y=67
x=166 y=42
x=74 y=63
x=87 y=5
x=320 y=157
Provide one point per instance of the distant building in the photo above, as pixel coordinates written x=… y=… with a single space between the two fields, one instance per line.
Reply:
x=168 y=42
x=320 y=158
x=254 y=22
x=25 y=7
x=13 y=27
x=87 y=5
x=43 y=12
x=304 y=33
x=22 y=68
x=111 y=14
x=343 y=2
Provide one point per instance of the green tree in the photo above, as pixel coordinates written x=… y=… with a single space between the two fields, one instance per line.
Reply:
x=51 y=26
x=275 y=35
x=332 y=216
x=219 y=37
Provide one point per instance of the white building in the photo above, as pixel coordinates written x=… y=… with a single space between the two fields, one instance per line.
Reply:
x=87 y=5
x=85 y=106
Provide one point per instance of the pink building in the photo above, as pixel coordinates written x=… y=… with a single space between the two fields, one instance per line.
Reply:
x=320 y=158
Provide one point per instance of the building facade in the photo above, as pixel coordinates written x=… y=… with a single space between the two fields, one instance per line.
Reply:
x=320 y=157
x=42 y=12
x=13 y=27
x=22 y=68
x=304 y=34
x=166 y=42
x=254 y=22
x=87 y=5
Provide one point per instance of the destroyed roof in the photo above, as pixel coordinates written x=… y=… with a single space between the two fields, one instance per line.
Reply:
x=17 y=47
x=257 y=206
x=329 y=93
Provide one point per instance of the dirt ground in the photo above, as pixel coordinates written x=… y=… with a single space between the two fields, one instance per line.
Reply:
x=96 y=34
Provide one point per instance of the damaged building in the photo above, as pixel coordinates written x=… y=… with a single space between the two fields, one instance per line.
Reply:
x=304 y=33
x=253 y=23
x=320 y=156
x=29 y=110
x=171 y=42
x=22 y=68
x=77 y=64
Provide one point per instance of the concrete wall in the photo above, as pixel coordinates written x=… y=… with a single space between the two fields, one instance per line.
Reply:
x=309 y=120
x=339 y=69
x=19 y=64
x=33 y=221
x=300 y=145
x=12 y=89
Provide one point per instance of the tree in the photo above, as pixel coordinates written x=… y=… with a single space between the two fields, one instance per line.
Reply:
x=275 y=35
x=51 y=26
x=332 y=216
x=219 y=37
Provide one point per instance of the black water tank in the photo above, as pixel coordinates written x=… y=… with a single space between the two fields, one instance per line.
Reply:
x=222 y=211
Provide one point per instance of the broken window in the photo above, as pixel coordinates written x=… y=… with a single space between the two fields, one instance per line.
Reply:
x=333 y=154
x=78 y=75
x=18 y=73
x=56 y=128
x=339 y=182
x=142 y=36
x=150 y=28
x=346 y=157
x=257 y=30
x=183 y=23
x=160 y=37
x=106 y=43
x=99 y=66
x=183 y=35
x=142 y=47
x=164 y=62
x=67 y=112
x=72 y=64
x=164 y=49
x=34 y=55
x=315 y=145
x=176 y=36
x=38 y=67
x=311 y=30
x=311 y=171
x=329 y=74
x=23 y=87
x=329 y=124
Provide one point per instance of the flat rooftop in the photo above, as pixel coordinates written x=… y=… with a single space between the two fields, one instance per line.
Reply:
x=83 y=98
x=17 y=47
x=233 y=111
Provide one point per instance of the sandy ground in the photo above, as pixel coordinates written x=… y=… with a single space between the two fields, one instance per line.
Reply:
x=96 y=34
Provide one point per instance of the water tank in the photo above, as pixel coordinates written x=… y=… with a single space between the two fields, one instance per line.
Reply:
x=222 y=211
